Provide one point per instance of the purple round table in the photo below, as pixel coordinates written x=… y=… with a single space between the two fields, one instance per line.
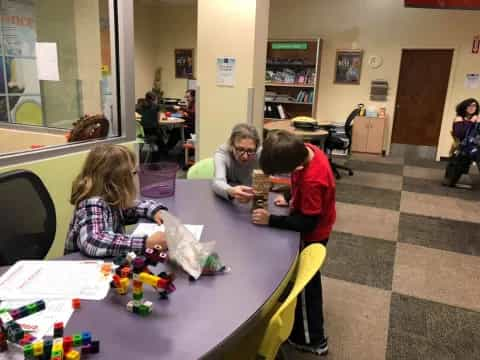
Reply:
x=203 y=316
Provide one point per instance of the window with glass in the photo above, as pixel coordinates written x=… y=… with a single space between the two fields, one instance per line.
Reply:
x=55 y=67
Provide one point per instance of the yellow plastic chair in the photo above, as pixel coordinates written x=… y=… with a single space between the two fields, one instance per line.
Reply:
x=203 y=169
x=281 y=324
x=29 y=113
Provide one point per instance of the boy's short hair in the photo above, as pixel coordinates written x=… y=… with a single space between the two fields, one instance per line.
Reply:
x=282 y=152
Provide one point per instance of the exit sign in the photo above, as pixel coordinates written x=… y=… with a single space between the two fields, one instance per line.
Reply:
x=289 y=46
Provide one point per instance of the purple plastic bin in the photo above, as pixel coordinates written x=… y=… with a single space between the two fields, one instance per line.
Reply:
x=157 y=180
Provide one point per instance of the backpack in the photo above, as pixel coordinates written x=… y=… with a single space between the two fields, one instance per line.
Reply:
x=470 y=144
x=89 y=127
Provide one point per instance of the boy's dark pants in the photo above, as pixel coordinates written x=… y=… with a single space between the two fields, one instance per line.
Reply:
x=308 y=326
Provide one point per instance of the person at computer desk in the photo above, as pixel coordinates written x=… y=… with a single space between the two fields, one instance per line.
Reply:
x=188 y=112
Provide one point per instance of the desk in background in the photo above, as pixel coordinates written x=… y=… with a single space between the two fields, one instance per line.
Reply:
x=305 y=134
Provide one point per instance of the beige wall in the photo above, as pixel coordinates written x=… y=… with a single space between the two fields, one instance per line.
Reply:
x=159 y=30
x=145 y=47
x=379 y=27
x=229 y=28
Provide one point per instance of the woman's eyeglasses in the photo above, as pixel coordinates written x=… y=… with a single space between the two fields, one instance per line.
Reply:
x=242 y=151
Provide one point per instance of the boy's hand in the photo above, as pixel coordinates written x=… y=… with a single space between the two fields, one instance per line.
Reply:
x=158 y=218
x=241 y=193
x=280 y=201
x=260 y=217
x=157 y=238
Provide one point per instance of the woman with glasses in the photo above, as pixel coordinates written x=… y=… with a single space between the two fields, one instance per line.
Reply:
x=234 y=162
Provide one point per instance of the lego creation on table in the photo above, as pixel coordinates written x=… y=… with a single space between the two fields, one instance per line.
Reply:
x=57 y=347
x=135 y=269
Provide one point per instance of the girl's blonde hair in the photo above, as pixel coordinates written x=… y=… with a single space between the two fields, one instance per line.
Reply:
x=108 y=172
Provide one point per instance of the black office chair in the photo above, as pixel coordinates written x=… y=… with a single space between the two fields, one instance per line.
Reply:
x=336 y=141
x=27 y=217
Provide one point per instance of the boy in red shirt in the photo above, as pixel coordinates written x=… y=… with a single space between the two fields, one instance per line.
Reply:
x=312 y=214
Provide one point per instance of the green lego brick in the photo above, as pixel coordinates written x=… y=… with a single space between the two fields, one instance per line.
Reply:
x=137 y=296
x=77 y=340
x=28 y=350
x=32 y=308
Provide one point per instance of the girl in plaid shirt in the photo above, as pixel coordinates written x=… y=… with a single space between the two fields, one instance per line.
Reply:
x=104 y=195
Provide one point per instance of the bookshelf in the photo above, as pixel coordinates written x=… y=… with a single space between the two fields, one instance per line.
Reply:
x=291 y=78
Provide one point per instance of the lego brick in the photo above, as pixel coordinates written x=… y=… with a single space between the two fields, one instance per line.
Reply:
x=86 y=349
x=137 y=290
x=37 y=348
x=28 y=350
x=77 y=340
x=130 y=306
x=138 y=296
x=76 y=304
x=86 y=338
x=32 y=308
x=15 y=314
x=95 y=347
x=40 y=305
x=57 y=354
x=137 y=284
x=131 y=256
x=14 y=332
x=72 y=355
x=67 y=342
x=149 y=279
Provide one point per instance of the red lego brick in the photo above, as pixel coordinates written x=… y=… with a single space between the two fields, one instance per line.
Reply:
x=76 y=304
x=58 y=325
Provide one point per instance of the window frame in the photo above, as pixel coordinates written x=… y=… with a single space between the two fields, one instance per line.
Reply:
x=123 y=114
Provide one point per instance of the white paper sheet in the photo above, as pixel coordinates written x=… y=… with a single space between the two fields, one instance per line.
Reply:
x=54 y=280
x=47 y=61
x=146 y=229
x=226 y=71
x=41 y=323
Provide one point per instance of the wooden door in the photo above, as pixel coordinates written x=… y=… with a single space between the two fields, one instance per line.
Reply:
x=421 y=93
x=375 y=135
x=360 y=134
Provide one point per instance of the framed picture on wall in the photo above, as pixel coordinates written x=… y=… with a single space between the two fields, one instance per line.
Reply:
x=184 y=63
x=348 y=67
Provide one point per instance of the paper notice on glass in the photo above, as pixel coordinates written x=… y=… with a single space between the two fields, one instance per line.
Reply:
x=472 y=81
x=54 y=280
x=41 y=323
x=146 y=229
x=47 y=61
x=226 y=71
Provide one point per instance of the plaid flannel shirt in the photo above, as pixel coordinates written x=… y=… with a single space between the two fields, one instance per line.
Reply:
x=97 y=229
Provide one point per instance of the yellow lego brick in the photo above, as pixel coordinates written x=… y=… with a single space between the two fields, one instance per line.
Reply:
x=124 y=282
x=137 y=291
x=72 y=355
x=148 y=279
x=121 y=291
x=37 y=348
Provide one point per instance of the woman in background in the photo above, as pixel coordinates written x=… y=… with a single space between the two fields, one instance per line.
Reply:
x=467 y=116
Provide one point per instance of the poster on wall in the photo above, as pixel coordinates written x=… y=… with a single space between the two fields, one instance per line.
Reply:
x=184 y=63
x=226 y=71
x=348 y=66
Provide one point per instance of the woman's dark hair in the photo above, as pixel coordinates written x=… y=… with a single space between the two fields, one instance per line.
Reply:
x=191 y=92
x=244 y=131
x=461 y=108
x=282 y=152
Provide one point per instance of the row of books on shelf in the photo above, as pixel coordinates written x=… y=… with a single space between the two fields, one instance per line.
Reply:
x=290 y=76
x=305 y=96
x=275 y=111
x=287 y=62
